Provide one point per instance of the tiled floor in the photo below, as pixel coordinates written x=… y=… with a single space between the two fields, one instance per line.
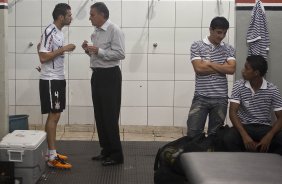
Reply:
x=127 y=133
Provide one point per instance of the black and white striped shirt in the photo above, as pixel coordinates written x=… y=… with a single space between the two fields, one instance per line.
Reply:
x=258 y=35
x=212 y=85
x=256 y=107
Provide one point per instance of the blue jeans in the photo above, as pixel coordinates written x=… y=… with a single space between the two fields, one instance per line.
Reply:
x=202 y=107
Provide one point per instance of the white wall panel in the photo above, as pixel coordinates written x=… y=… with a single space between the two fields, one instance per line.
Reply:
x=12 y=92
x=160 y=116
x=180 y=117
x=162 y=14
x=183 y=94
x=188 y=13
x=160 y=67
x=136 y=40
x=79 y=66
x=80 y=93
x=27 y=39
x=184 y=37
x=133 y=116
x=164 y=38
x=134 y=67
x=160 y=93
x=12 y=65
x=26 y=66
x=11 y=13
x=27 y=92
x=134 y=93
x=133 y=16
x=81 y=115
x=183 y=68
x=28 y=13
x=11 y=39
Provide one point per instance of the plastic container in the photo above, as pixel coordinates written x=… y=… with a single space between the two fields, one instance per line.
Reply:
x=18 y=122
x=26 y=148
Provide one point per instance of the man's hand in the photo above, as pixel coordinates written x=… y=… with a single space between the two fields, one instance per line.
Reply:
x=84 y=45
x=249 y=143
x=38 y=69
x=93 y=49
x=69 y=47
x=264 y=143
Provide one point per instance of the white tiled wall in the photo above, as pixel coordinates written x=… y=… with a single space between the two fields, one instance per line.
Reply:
x=158 y=78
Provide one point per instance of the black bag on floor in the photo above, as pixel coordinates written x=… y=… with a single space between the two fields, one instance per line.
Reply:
x=163 y=173
x=167 y=165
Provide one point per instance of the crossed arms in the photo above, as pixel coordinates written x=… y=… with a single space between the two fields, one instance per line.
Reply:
x=202 y=67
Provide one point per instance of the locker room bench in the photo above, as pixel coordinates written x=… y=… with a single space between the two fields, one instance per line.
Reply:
x=232 y=168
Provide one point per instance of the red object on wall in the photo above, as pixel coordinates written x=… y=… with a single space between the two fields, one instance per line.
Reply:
x=245 y=1
x=253 y=1
x=3 y=1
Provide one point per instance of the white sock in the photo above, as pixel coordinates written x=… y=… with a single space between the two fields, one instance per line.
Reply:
x=52 y=154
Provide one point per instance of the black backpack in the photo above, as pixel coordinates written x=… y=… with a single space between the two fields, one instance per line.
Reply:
x=167 y=166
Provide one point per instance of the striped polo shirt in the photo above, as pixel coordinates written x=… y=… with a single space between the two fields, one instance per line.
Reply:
x=212 y=85
x=256 y=107
x=258 y=35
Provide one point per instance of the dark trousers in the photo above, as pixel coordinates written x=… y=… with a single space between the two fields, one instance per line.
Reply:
x=106 y=96
x=234 y=142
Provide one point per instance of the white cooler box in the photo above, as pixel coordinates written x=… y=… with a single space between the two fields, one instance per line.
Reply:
x=26 y=148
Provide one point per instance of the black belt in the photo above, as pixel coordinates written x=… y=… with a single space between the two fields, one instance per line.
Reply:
x=96 y=69
x=257 y=124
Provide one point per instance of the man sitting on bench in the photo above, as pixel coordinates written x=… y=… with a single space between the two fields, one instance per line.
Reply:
x=252 y=101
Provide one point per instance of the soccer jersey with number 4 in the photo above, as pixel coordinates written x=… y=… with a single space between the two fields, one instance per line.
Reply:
x=52 y=39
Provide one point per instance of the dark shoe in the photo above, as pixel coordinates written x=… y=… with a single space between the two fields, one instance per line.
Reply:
x=98 y=157
x=108 y=161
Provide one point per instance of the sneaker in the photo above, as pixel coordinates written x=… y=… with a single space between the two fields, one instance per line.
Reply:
x=59 y=163
x=63 y=157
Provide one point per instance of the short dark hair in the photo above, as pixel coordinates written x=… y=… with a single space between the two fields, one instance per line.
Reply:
x=101 y=8
x=60 y=9
x=257 y=62
x=219 y=23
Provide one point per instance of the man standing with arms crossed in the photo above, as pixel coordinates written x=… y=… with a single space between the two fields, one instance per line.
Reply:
x=106 y=51
x=52 y=84
x=212 y=59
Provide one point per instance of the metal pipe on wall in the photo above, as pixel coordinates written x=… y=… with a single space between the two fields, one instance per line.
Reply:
x=4 y=105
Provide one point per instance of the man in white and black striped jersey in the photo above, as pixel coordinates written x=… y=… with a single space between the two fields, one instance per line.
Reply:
x=252 y=102
x=52 y=84
x=212 y=59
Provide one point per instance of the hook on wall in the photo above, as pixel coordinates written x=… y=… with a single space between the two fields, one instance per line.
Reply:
x=30 y=44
